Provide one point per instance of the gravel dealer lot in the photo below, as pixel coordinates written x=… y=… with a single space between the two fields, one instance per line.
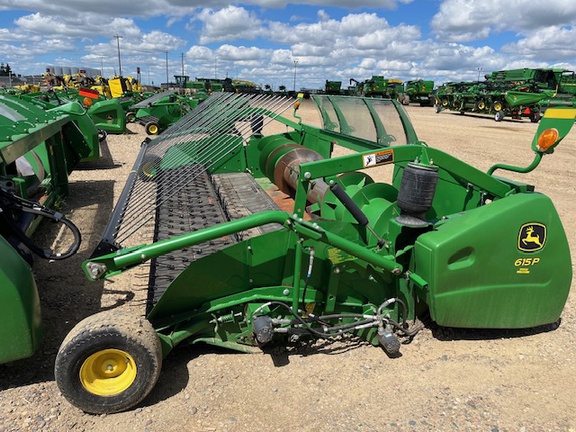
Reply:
x=447 y=379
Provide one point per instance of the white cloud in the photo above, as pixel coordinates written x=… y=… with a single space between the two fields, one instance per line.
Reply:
x=228 y=24
x=78 y=26
x=467 y=20
x=241 y=53
x=553 y=43
x=200 y=53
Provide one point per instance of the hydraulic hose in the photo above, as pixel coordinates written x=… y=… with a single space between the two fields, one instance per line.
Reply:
x=404 y=310
x=9 y=203
x=339 y=329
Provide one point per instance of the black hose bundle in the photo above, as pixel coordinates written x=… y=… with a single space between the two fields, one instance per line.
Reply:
x=11 y=203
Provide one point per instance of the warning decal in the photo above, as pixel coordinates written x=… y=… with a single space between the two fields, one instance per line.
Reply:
x=378 y=158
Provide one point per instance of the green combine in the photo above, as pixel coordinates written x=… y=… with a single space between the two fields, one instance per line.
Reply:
x=442 y=241
x=419 y=91
x=378 y=86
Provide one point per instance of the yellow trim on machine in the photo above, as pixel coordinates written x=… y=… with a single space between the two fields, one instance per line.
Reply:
x=559 y=113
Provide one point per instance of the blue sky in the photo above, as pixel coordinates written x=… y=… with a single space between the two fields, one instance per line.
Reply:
x=260 y=40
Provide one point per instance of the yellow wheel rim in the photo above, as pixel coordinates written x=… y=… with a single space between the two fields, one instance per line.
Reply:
x=481 y=105
x=153 y=129
x=108 y=372
x=497 y=106
x=148 y=170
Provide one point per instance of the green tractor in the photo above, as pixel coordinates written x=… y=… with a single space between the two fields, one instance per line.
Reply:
x=442 y=241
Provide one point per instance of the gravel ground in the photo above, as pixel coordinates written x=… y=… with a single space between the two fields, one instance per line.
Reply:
x=447 y=379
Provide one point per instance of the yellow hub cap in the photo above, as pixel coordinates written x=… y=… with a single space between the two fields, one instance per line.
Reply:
x=153 y=129
x=497 y=106
x=148 y=170
x=108 y=372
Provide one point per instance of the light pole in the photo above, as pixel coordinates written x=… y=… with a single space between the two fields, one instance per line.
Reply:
x=167 y=80
x=117 y=37
x=295 y=63
x=479 y=70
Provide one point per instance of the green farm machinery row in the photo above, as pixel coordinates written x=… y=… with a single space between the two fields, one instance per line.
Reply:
x=515 y=93
x=114 y=102
x=229 y=268
x=378 y=86
x=413 y=91
x=39 y=148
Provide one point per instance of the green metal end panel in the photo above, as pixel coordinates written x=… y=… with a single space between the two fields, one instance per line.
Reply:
x=504 y=265
x=21 y=330
x=108 y=115
x=256 y=262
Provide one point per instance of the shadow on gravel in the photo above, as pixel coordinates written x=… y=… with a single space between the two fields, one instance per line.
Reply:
x=453 y=334
x=174 y=375
x=106 y=161
x=280 y=354
x=489 y=117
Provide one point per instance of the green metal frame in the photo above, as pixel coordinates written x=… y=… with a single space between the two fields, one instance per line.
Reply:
x=436 y=267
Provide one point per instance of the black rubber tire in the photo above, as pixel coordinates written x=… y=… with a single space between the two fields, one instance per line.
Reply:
x=112 y=330
x=535 y=117
x=152 y=128
x=437 y=108
x=130 y=117
x=499 y=116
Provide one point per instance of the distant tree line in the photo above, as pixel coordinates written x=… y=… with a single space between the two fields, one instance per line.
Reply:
x=5 y=70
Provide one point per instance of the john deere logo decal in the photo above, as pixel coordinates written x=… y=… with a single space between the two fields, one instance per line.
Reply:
x=532 y=237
